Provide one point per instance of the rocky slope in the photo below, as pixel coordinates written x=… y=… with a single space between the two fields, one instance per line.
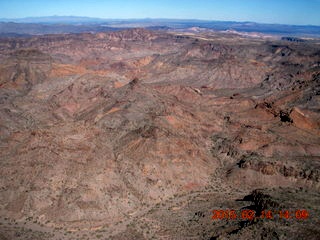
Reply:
x=100 y=130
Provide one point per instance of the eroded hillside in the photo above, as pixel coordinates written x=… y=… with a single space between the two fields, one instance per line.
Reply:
x=125 y=134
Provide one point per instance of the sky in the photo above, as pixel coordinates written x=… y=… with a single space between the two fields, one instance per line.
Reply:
x=298 y=12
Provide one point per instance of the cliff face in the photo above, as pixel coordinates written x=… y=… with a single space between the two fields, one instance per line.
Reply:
x=98 y=128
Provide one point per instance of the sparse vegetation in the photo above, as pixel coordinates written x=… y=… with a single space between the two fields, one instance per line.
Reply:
x=145 y=133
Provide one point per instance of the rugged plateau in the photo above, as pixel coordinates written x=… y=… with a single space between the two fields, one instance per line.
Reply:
x=141 y=134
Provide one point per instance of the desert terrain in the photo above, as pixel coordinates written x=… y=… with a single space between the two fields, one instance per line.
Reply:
x=140 y=134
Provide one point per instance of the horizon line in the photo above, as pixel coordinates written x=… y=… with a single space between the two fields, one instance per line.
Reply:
x=149 y=18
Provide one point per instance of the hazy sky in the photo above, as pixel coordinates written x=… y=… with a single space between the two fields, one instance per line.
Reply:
x=267 y=11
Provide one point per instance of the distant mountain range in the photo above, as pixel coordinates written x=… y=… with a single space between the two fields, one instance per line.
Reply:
x=54 y=20
x=70 y=24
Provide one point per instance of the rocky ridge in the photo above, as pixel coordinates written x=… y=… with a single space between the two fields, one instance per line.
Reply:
x=97 y=129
